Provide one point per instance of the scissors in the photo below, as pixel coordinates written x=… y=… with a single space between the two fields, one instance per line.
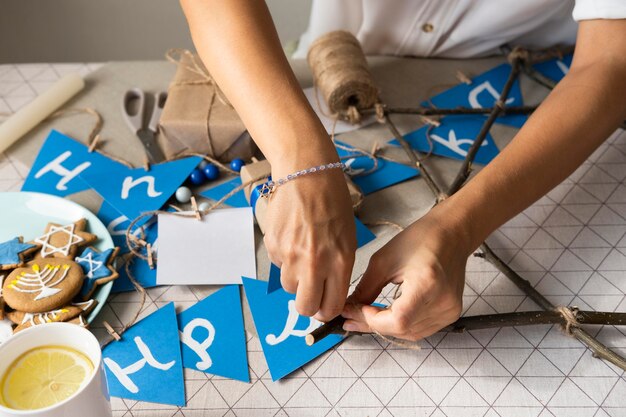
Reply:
x=133 y=109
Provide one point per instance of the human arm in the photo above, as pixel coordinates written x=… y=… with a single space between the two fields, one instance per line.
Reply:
x=429 y=257
x=310 y=229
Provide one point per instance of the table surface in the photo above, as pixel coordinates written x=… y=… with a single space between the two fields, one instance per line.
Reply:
x=571 y=245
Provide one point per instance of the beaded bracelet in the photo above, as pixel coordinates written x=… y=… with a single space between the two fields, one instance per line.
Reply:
x=269 y=187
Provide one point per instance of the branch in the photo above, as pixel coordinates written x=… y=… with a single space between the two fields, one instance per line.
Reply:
x=429 y=111
x=527 y=318
x=413 y=157
x=466 y=167
x=598 y=348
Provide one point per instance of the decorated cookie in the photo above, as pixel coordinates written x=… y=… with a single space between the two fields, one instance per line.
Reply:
x=65 y=314
x=97 y=268
x=63 y=241
x=80 y=321
x=42 y=285
x=2 y=277
x=12 y=252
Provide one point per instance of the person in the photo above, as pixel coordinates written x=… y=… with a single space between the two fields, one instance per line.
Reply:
x=310 y=228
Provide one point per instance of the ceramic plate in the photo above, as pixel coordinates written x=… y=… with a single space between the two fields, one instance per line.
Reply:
x=27 y=214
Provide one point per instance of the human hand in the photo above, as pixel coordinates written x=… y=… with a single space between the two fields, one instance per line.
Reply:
x=428 y=259
x=310 y=234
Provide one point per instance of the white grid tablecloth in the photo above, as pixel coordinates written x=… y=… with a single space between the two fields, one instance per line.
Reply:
x=571 y=245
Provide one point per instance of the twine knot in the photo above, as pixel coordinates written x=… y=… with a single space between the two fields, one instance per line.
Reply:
x=569 y=314
x=518 y=54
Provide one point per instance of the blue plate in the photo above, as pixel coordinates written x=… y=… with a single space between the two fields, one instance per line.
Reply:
x=27 y=214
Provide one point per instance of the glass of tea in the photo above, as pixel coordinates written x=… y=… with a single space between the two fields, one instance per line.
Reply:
x=53 y=370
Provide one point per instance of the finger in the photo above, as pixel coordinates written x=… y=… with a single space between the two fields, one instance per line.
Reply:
x=393 y=321
x=355 y=320
x=309 y=292
x=371 y=284
x=288 y=278
x=335 y=291
x=272 y=252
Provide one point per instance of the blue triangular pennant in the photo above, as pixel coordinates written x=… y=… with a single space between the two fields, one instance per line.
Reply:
x=273 y=282
x=363 y=237
x=452 y=138
x=133 y=191
x=484 y=91
x=116 y=224
x=363 y=234
x=387 y=173
x=281 y=330
x=219 y=191
x=555 y=69
x=139 y=268
x=212 y=335
x=146 y=364
x=59 y=164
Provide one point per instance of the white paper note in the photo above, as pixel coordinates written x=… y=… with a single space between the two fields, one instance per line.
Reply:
x=219 y=249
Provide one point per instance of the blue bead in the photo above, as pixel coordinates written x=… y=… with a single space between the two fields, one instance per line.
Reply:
x=236 y=164
x=211 y=172
x=197 y=177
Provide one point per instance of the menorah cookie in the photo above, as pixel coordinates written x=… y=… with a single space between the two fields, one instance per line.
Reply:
x=42 y=285
x=97 y=268
x=64 y=314
x=63 y=241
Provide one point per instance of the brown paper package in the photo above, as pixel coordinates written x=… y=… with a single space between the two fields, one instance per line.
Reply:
x=262 y=169
x=197 y=118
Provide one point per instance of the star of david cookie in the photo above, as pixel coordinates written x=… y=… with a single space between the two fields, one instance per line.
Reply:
x=64 y=314
x=97 y=268
x=13 y=252
x=42 y=285
x=63 y=241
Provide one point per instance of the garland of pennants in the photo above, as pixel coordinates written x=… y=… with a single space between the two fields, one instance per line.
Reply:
x=147 y=363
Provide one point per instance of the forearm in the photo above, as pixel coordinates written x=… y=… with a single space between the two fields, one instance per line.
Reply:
x=238 y=44
x=581 y=112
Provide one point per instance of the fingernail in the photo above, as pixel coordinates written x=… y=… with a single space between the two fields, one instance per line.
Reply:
x=349 y=327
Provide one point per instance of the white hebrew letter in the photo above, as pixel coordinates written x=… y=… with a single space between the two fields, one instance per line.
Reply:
x=485 y=86
x=122 y=374
x=350 y=170
x=199 y=348
x=453 y=143
x=564 y=68
x=129 y=183
x=290 y=326
x=112 y=227
x=66 y=174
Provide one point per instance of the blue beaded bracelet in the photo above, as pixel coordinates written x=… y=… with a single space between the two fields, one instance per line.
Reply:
x=269 y=187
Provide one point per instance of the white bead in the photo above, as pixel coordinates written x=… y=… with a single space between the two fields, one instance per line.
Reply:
x=204 y=206
x=183 y=195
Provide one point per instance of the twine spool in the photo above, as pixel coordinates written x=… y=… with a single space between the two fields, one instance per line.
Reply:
x=341 y=73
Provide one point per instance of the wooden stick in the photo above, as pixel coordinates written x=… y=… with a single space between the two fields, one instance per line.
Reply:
x=111 y=331
x=428 y=111
x=149 y=253
x=335 y=326
x=466 y=167
x=195 y=208
x=488 y=321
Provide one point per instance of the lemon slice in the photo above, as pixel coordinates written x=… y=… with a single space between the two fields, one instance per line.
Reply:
x=44 y=376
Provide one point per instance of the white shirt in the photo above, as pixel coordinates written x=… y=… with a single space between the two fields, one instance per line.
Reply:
x=454 y=28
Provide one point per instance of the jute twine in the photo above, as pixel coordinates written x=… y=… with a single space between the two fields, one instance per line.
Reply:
x=341 y=73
